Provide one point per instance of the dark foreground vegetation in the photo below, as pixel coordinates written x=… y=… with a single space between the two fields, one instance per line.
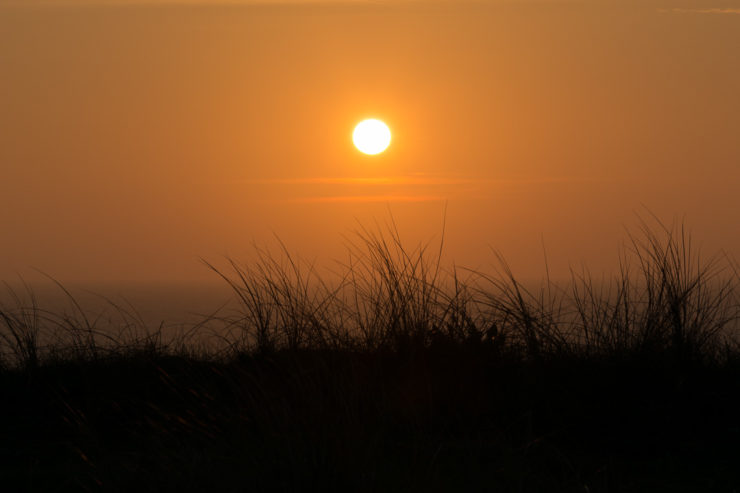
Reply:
x=399 y=377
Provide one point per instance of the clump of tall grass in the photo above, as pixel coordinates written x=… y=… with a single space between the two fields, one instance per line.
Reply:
x=385 y=297
x=31 y=335
x=21 y=329
x=666 y=299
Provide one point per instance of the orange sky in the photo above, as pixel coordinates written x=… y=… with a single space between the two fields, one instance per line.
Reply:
x=136 y=138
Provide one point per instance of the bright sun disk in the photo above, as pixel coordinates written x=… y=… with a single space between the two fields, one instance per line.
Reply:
x=371 y=136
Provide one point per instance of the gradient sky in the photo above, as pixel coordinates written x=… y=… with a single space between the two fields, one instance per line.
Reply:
x=138 y=136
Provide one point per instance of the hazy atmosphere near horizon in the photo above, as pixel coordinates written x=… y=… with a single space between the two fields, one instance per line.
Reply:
x=138 y=136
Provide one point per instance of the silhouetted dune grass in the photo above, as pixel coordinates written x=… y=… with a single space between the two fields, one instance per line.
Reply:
x=400 y=376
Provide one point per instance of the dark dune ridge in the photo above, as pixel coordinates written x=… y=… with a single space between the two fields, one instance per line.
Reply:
x=402 y=377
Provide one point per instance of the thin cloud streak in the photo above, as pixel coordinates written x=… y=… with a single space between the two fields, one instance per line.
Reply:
x=410 y=181
x=385 y=189
x=701 y=11
x=366 y=198
x=383 y=180
x=248 y=3
x=123 y=3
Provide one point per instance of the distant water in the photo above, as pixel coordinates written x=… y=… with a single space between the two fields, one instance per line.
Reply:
x=154 y=303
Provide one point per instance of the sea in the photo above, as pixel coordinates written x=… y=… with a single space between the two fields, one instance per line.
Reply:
x=126 y=310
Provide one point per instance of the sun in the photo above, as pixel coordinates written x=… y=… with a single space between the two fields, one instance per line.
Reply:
x=371 y=136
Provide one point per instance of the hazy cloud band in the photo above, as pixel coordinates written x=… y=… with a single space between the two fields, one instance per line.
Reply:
x=703 y=11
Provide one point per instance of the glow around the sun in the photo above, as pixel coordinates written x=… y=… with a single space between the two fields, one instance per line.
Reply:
x=371 y=136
